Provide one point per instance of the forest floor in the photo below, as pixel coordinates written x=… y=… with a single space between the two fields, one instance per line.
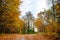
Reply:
x=23 y=37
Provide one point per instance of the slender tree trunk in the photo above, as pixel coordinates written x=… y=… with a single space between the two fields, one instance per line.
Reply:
x=53 y=13
x=28 y=27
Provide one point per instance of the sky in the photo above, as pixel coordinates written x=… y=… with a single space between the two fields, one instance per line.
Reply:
x=35 y=6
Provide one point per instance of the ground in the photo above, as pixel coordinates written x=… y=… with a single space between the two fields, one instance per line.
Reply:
x=23 y=37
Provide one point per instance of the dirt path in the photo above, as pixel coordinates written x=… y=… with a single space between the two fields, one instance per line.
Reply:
x=23 y=37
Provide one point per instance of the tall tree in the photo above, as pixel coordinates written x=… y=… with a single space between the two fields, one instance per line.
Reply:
x=9 y=16
x=29 y=20
x=57 y=10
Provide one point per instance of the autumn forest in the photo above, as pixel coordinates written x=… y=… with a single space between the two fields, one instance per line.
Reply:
x=46 y=23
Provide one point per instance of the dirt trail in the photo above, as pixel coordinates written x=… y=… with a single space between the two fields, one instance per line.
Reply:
x=23 y=37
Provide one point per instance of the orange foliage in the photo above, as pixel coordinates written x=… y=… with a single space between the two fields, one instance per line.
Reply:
x=38 y=23
x=10 y=15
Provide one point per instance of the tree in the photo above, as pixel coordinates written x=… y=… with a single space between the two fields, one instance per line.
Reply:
x=57 y=10
x=42 y=16
x=39 y=25
x=29 y=21
x=9 y=16
x=49 y=17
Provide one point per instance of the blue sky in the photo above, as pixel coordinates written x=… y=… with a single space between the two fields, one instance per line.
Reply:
x=35 y=6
